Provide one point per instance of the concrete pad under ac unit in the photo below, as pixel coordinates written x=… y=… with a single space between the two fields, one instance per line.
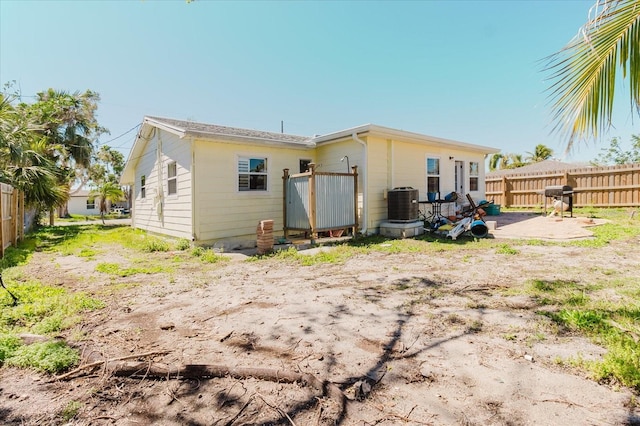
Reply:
x=402 y=230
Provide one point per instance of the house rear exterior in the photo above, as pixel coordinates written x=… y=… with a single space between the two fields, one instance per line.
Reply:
x=210 y=183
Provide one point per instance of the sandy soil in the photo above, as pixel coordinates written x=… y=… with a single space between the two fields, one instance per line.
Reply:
x=410 y=339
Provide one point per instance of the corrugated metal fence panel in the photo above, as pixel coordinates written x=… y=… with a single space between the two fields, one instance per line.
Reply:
x=298 y=203
x=334 y=201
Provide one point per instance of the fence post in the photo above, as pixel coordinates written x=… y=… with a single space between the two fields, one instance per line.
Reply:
x=285 y=179
x=14 y=217
x=504 y=191
x=312 y=202
x=355 y=200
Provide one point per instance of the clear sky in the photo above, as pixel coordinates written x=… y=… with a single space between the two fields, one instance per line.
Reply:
x=464 y=70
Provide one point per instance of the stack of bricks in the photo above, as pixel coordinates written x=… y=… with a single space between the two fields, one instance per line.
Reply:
x=265 y=236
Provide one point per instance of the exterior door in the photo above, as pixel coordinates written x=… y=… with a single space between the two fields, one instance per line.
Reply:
x=459 y=177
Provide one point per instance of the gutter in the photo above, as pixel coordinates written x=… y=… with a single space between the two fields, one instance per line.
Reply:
x=365 y=173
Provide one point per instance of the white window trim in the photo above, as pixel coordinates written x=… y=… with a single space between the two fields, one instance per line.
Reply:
x=426 y=171
x=477 y=176
x=174 y=178
x=249 y=156
x=143 y=188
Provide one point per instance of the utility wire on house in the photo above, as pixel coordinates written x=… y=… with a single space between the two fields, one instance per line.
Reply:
x=123 y=134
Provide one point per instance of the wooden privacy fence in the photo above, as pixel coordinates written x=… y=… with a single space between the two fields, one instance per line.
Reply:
x=320 y=201
x=12 y=212
x=612 y=186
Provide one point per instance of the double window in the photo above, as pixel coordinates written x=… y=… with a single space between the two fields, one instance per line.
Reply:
x=474 y=174
x=252 y=174
x=172 y=180
x=433 y=174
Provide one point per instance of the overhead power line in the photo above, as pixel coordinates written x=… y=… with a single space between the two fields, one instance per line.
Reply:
x=123 y=134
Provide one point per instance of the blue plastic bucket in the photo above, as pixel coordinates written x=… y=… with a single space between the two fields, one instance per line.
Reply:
x=431 y=196
x=479 y=229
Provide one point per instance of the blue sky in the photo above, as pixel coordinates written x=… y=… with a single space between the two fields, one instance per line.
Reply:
x=463 y=70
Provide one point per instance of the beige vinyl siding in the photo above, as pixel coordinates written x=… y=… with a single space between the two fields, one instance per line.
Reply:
x=143 y=209
x=397 y=163
x=223 y=212
x=159 y=212
x=377 y=161
x=177 y=207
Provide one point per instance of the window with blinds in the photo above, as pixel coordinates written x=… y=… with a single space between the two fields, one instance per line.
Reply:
x=252 y=174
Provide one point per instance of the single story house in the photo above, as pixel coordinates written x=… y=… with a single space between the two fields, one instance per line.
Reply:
x=81 y=203
x=214 y=184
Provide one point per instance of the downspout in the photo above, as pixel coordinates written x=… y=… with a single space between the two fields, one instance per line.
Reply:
x=365 y=173
x=193 y=192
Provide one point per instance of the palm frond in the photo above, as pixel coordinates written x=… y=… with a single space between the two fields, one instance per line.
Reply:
x=585 y=70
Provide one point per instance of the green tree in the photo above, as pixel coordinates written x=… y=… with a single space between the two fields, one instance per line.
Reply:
x=494 y=161
x=24 y=163
x=68 y=125
x=107 y=192
x=585 y=70
x=540 y=153
x=615 y=153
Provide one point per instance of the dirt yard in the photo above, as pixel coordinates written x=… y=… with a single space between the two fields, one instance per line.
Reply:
x=391 y=339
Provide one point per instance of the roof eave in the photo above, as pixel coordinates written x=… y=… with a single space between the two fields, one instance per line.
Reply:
x=402 y=134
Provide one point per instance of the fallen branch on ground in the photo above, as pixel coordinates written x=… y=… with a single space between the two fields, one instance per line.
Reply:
x=93 y=365
x=207 y=371
x=123 y=368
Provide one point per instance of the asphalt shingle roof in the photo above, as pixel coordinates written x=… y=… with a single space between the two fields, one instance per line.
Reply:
x=213 y=129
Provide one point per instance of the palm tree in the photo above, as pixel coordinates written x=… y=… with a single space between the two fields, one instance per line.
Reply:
x=540 y=153
x=584 y=71
x=494 y=161
x=108 y=192
x=23 y=158
x=68 y=124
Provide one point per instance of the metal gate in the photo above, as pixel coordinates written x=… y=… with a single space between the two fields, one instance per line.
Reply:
x=319 y=201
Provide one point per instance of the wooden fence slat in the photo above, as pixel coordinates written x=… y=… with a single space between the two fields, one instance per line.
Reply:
x=612 y=186
x=11 y=217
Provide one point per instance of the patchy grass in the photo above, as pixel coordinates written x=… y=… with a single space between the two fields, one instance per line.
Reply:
x=506 y=249
x=614 y=325
x=118 y=270
x=41 y=310
x=208 y=255
x=49 y=357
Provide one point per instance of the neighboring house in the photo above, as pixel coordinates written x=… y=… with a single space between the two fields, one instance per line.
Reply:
x=211 y=183
x=81 y=203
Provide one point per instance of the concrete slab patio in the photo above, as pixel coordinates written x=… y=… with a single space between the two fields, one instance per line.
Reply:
x=536 y=225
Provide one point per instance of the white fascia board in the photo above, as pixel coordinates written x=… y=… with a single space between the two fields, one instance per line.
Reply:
x=181 y=133
x=403 y=136
x=431 y=140
x=341 y=134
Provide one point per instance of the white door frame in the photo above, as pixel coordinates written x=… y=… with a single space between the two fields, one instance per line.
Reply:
x=459 y=178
